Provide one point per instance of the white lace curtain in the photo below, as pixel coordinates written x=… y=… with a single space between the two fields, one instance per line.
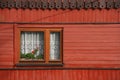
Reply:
x=54 y=45
x=35 y=40
x=31 y=41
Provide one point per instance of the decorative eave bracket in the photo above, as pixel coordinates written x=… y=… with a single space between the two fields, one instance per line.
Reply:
x=59 y=4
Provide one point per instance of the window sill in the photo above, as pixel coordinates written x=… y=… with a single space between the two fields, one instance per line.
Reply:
x=31 y=60
x=39 y=65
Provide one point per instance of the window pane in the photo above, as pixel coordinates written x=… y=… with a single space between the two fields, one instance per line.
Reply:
x=54 y=45
x=32 y=45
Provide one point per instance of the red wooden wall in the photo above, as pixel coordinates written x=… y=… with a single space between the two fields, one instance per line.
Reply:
x=90 y=15
x=85 y=45
x=60 y=75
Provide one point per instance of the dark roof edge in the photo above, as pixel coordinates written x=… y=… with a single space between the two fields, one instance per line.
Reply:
x=60 y=23
x=53 y=68
x=60 y=4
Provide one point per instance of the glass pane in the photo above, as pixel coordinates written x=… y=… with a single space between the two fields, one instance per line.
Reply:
x=54 y=45
x=32 y=45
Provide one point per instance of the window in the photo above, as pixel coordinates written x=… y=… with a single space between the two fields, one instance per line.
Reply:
x=32 y=45
x=38 y=45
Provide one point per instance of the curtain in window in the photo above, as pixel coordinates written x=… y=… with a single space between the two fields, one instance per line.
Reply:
x=30 y=41
x=54 y=45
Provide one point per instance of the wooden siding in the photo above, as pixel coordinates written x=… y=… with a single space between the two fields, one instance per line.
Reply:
x=83 y=45
x=6 y=45
x=60 y=75
x=95 y=46
x=89 y=15
x=91 y=45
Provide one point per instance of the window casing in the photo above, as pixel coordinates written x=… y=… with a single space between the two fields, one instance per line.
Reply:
x=46 y=41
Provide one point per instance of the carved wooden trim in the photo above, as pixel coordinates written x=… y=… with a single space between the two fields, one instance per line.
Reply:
x=80 y=4
x=95 y=4
x=117 y=4
x=88 y=4
x=102 y=3
x=110 y=4
x=59 y=4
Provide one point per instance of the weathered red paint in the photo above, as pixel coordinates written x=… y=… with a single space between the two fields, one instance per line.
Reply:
x=60 y=74
x=90 y=15
x=83 y=45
